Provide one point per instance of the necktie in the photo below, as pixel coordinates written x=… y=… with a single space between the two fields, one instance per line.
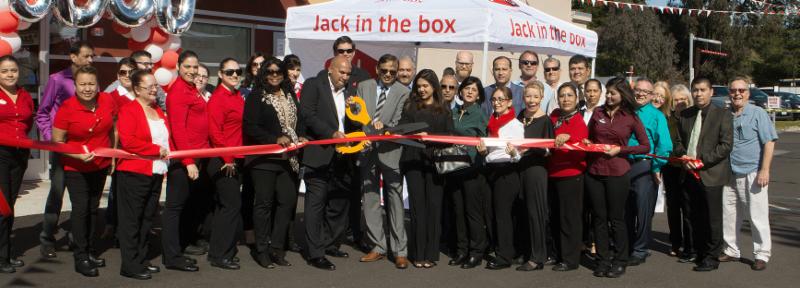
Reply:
x=381 y=101
x=695 y=136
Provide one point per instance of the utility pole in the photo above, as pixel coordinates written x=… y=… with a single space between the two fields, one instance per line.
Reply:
x=692 y=38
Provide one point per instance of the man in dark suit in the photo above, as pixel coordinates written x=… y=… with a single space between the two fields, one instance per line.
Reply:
x=344 y=46
x=705 y=132
x=328 y=176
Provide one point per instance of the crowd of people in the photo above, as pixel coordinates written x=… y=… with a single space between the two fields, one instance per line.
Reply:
x=509 y=206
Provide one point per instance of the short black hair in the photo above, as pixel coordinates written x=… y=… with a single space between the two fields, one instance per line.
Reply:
x=387 y=58
x=700 y=80
x=578 y=59
x=530 y=52
x=501 y=58
x=85 y=70
x=126 y=61
x=9 y=58
x=340 y=40
x=137 y=77
x=140 y=53
x=449 y=71
x=75 y=48
x=473 y=80
x=644 y=78
x=186 y=54
x=291 y=61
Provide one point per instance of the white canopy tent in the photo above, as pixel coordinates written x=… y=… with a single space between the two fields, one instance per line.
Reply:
x=401 y=26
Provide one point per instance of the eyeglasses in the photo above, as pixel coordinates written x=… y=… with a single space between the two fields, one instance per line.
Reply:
x=531 y=62
x=198 y=76
x=499 y=100
x=124 y=72
x=551 y=69
x=272 y=72
x=450 y=87
x=739 y=91
x=146 y=64
x=230 y=72
x=148 y=89
x=387 y=71
x=642 y=91
x=343 y=51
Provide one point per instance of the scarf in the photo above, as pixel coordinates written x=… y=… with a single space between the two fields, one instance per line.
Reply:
x=287 y=116
x=564 y=118
x=497 y=122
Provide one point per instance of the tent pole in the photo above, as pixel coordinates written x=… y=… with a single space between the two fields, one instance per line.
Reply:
x=485 y=63
x=594 y=61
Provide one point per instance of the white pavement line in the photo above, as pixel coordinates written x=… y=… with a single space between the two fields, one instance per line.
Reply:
x=779 y=207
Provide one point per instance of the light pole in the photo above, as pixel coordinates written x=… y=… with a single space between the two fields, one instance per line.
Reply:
x=692 y=38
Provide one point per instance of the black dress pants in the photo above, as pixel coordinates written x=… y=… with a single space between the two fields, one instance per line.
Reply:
x=425 y=193
x=506 y=186
x=468 y=211
x=182 y=226
x=609 y=196
x=678 y=210
x=534 y=187
x=706 y=217
x=274 y=207
x=567 y=216
x=227 y=211
x=137 y=200
x=13 y=163
x=327 y=201
x=85 y=190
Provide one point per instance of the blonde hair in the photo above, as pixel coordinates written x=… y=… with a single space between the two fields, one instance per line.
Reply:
x=746 y=79
x=680 y=89
x=537 y=85
x=667 y=97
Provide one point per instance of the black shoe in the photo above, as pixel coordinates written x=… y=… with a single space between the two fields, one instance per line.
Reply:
x=7 y=268
x=138 y=276
x=16 y=263
x=263 y=260
x=636 y=261
x=86 y=268
x=530 y=266
x=279 y=259
x=563 y=267
x=322 y=263
x=472 y=262
x=195 y=250
x=493 y=265
x=97 y=262
x=706 y=265
x=688 y=258
x=189 y=260
x=225 y=264
x=235 y=259
x=185 y=267
x=616 y=271
x=294 y=247
x=602 y=269
x=458 y=260
x=550 y=261
x=336 y=253
x=48 y=251
x=151 y=268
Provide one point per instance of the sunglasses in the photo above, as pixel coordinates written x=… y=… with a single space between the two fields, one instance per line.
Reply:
x=526 y=62
x=273 y=72
x=230 y=72
x=387 y=71
x=551 y=69
x=343 y=51
x=124 y=72
x=740 y=91
x=451 y=87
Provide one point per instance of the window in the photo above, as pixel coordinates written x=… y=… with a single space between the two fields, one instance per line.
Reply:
x=214 y=42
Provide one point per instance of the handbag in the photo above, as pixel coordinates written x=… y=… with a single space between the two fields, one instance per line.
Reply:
x=451 y=159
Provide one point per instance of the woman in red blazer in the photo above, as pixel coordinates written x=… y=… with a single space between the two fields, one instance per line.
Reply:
x=16 y=118
x=143 y=130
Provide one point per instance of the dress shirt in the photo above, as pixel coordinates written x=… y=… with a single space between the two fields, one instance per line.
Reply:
x=512 y=130
x=225 y=110
x=517 y=99
x=339 y=101
x=615 y=131
x=60 y=87
x=655 y=124
x=16 y=118
x=188 y=118
x=568 y=163
x=87 y=127
x=751 y=130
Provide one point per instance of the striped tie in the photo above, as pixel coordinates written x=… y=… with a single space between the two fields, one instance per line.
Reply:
x=381 y=101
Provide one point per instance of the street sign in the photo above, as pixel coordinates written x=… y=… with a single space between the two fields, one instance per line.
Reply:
x=773 y=102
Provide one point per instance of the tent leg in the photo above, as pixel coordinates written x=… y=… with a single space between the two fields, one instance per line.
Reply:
x=485 y=65
x=594 y=61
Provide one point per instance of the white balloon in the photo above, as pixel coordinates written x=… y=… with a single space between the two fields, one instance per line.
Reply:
x=24 y=25
x=13 y=40
x=155 y=52
x=163 y=76
x=173 y=43
x=141 y=33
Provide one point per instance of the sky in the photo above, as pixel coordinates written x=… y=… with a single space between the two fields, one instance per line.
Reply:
x=657 y=2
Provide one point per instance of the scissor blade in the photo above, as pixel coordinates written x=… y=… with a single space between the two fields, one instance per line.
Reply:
x=409 y=142
x=407 y=128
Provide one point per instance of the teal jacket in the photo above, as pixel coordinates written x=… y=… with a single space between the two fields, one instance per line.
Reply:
x=655 y=124
x=470 y=122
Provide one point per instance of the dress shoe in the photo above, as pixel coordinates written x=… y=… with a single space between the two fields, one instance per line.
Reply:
x=563 y=267
x=48 y=251
x=185 y=267
x=530 y=266
x=7 y=268
x=706 y=265
x=472 y=262
x=16 y=263
x=151 y=268
x=279 y=259
x=225 y=264
x=602 y=269
x=616 y=271
x=97 y=262
x=401 y=262
x=195 y=250
x=235 y=259
x=494 y=265
x=322 y=263
x=636 y=261
x=727 y=258
x=550 y=261
x=263 y=260
x=759 y=265
x=86 y=268
x=688 y=258
x=189 y=260
x=336 y=253
x=138 y=276
x=458 y=260
x=372 y=257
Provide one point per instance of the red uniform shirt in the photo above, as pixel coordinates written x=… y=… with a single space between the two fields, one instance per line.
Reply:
x=567 y=163
x=87 y=127
x=188 y=120
x=121 y=99
x=16 y=118
x=225 y=111
x=135 y=137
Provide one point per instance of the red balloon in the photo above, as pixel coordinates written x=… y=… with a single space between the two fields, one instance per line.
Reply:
x=120 y=29
x=5 y=48
x=169 y=60
x=158 y=36
x=136 y=46
x=8 y=22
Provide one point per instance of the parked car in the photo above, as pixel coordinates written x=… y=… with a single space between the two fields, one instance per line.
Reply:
x=791 y=101
x=757 y=97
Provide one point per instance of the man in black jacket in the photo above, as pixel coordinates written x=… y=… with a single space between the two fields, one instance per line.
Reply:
x=328 y=176
x=705 y=133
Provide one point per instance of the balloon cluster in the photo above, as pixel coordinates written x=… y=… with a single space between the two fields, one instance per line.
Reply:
x=151 y=25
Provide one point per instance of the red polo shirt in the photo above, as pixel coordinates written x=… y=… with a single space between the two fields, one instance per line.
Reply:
x=225 y=111
x=120 y=98
x=188 y=118
x=568 y=163
x=16 y=118
x=87 y=127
